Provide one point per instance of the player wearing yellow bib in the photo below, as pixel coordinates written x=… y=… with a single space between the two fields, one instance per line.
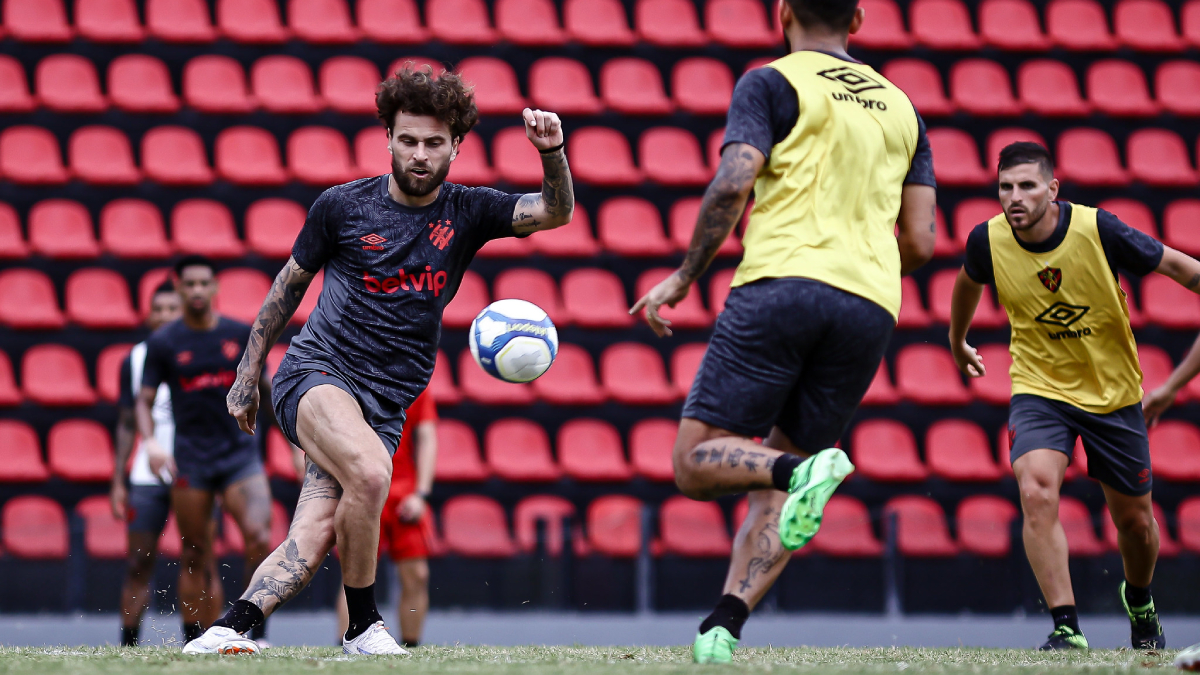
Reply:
x=836 y=156
x=1075 y=372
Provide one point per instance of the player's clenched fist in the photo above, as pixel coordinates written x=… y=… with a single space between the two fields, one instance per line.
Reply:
x=544 y=129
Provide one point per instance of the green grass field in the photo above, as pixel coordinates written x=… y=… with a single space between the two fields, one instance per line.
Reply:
x=577 y=661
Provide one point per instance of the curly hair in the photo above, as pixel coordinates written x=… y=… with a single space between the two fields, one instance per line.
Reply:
x=419 y=92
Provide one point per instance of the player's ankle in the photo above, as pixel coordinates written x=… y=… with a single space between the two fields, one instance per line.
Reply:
x=129 y=636
x=781 y=472
x=1066 y=615
x=360 y=606
x=1137 y=596
x=730 y=613
x=192 y=630
x=242 y=617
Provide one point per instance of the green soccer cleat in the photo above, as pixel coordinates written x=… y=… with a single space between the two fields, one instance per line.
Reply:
x=715 y=646
x=1145 y=630
x=812 y=484
x=1065 y=637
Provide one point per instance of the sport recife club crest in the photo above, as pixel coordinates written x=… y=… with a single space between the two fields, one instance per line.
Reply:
x=1051 y=278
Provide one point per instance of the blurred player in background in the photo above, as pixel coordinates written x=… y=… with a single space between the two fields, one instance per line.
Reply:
x=837 y=157
x=394 y=249
x=1075 y=372
x=406 y=525
x=196 y=356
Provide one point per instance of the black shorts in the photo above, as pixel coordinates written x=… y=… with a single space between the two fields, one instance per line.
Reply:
x=294 y=379
x=1116 y=443
x=147 y=507
x=791 y=353
x=217 y=475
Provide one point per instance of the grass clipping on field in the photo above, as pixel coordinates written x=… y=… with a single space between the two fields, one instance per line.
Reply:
x=577 y=660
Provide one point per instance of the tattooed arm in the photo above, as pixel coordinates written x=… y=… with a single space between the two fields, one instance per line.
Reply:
x=282 y=300
x=917 y=224
x=722 y=207
x=552 y=207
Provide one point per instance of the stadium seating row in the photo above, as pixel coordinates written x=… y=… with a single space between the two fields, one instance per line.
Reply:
x=529 y=23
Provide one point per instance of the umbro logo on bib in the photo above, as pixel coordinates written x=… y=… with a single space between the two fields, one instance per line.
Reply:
x=854 y=81
x=1051 y=278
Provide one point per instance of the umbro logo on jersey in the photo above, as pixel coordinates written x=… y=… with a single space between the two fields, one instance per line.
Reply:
x=854 y=81
x=1062 y=314
x=373 y=242
x=1051 y=278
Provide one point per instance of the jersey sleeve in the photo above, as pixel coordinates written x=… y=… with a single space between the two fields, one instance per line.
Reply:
x=1127 y=249
x=978 y=264
x=493 y=211
x=317 y=240
x=157 y=367
x=764 y=110
x=920 y=172
x=125 y=393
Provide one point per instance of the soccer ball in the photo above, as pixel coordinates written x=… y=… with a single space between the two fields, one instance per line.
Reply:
x=513 y=340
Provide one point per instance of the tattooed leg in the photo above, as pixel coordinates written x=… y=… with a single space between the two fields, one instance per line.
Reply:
x=758 y=557
x=711 y=462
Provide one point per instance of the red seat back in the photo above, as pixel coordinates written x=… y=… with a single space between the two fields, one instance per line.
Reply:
x=614 y=526
x=519 y=450
x=22 y=454
x=458 y=454
x=922 y=531
x=80 y=451
x=692 y=529
x=54 y=375
x=590 y=450
x=35 y=528
x=984 y=525
x=476 y=527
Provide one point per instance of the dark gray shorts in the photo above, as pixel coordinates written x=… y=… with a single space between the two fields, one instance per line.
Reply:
x=1116 y=443
x=793 y=353
x=294 y=379
x=219 y=475
x=147 y=507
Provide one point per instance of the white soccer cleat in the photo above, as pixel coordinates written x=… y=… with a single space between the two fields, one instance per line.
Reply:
x=1189 y=659
x=221 y=640
x=375 y=640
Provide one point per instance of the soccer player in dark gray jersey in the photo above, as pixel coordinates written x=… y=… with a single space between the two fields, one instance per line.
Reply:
x=394 y=249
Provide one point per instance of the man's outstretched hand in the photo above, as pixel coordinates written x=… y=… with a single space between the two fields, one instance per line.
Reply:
x=542 y=128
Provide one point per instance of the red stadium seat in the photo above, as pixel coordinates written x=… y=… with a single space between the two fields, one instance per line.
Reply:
x=28 y=301
x=1049 y=88
x=519 y=450
x=614 y=526
x=885 y=30
x=1159 y=158
x=240 y=294
x=459 y=22
x=942 y=24
x=1000 y=138
x=108 y=21
x=1181 y=225
x=885 y=450
x=972 y=212
x=595 y=298
x=958 y=450
x=54 y=375
x=671 y=156
x=459 y=460
x=1146 y=25
x=668 y=23
x=98 y=298
x=22 y=454
x=1080 y=530
x=564 y=86
x=322 y=22
x=1133 y=213
x=741 y=24
x=981 y=87
x=138 y=83
x=1156 y=366
x=1137 y=319
x=495 y=81
x=1176 y=82
x=597 y=23
x=36 y=21
x=688 y=314
x=650 y=446
x=35 y=528
x=912 y=314
x=1189 y=22
x=275 y=357
x=371 y=154
x=590 y=451
x=1175 y=451
x=573 y=240
x=1169 y=305
x=12 y=242
x=1089 y=157
x=1079 y=25
x=205 y=227
x=471 y=298
x=216 y=84
x=272 y=225
x=921 y=528
x=718 y=289
x=31 y=156
x=692 y=529
x=80 y=451
x=1167 y=546
x=701 y=85
x=279 y=462
x=550 y=511
x=632 y=226
x=685 y=363
x=922 y=83
x=249 y=156
x=482 y=388
x=251 y=21
x=515 y=158
x=10 y=395
x=104 y=537
x=474 y=526
x=391 y=21
x=14 y=89
x=507 y=247
x=881 y=391
x=633 y=374
x=147 y=286
x=958 y=158
x=846 y=530
x=101 y=155
x=633 y=86
x=984 y=525
x=1011 y=24
x=682 y=217
x=572 y=379
x=941 y=284
x=1119 y=88
x=534 y=286
x=995 y=387
x=348 y=84
x=179 y=21
x=320 y=156
x=926 y=374
x=309 y=303
x=529 y=23
x=284 y=84
x=62 y=228
x=174 y=155
x=1188 y=521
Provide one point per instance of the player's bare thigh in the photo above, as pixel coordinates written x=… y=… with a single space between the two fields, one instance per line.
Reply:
x=334 y=435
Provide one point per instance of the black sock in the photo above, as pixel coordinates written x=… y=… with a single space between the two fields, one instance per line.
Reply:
x=191 y=631
x=1065 y=615
x=129 y=635
x=360 y=606
x=410 y=644
x=1137 y=596
x=243 y=616
x=730 y=613
x=259 y=632
x=781 y=473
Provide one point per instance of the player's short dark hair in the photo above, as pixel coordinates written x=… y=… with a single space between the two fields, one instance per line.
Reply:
x=833 y=14
x=418 y=92
x=1026 y=152
x=193 y=260
x=165 y=287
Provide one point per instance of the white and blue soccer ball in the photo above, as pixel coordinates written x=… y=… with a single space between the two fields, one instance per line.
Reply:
x=513 y=340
